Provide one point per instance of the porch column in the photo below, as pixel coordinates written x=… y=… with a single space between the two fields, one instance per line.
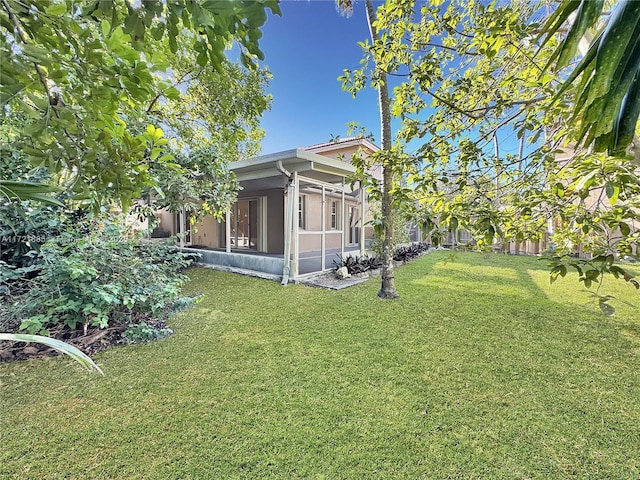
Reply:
x=362 y=210
x=296 y=224
x=323 y=242
x=228 y=230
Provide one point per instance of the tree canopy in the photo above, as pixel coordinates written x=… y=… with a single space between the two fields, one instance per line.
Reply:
x=468 y=76
x=83 y=77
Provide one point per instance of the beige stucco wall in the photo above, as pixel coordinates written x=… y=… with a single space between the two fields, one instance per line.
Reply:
x=166 y=221
x=312 y=241
x=346 y=153
x=208 y=233
x=313 y=221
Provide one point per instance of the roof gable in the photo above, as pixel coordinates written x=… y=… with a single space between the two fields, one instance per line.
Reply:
x=342 y=144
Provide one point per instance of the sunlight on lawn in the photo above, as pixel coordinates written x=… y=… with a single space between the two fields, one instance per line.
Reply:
x=464 y=279
x=480 y=370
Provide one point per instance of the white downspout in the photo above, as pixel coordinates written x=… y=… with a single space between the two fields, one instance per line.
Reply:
x=296 y=225
x=286 y=269
x=341 y=219
x=323 y=243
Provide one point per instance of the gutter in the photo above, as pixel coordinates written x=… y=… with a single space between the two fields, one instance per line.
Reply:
x=283 y=170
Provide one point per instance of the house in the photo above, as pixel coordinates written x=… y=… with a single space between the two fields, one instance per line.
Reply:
x=295 y=211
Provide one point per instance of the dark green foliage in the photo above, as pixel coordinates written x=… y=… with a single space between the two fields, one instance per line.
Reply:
x=25 y=226
x=91 y=274
x=143 y=332
x=80 y=77
x=405 y=253
x=358 y=264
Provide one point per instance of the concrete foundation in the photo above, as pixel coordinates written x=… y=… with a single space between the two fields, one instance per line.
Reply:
x=242 y=261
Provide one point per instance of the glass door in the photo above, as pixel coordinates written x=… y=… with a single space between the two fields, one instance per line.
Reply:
x=244 y=225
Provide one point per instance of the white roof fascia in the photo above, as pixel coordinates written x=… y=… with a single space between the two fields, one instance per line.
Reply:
x=263 y=166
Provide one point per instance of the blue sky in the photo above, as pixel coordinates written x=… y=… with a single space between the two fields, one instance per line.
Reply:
x=306 y=50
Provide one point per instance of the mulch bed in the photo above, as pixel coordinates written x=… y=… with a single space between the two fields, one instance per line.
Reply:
x=92 y=341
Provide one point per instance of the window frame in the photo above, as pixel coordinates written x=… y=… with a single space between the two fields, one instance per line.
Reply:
x=302 y=212
x=334 y=216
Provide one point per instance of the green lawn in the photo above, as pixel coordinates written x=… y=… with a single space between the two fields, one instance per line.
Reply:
x=481 y=370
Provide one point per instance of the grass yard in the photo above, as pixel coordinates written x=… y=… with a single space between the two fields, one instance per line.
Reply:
x=482 y=370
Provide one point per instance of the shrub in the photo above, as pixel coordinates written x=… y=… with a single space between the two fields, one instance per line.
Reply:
x=98 y=278
x=357 y=264
x=143 y=332
x=360 y=264
x=405 y=253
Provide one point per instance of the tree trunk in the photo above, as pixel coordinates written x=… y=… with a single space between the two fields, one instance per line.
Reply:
x=388 y=287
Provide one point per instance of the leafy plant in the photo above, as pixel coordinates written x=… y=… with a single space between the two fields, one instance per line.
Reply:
x=143 y=332
x=60 y=346
x=97 y=278
x=357 y=264
x=80 y=75
x=608 y=96
x=405 y=253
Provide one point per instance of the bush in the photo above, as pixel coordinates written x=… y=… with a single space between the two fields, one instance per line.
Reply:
x=360 y=264
x=143 y=332
x=405 y=253
x=95 y=279
x=357 y=264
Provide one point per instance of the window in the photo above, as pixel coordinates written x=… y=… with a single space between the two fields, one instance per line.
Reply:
x=334 y=215
x=354 y=230
x=302 y=212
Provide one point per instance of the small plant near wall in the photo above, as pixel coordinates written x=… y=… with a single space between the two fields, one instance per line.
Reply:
x=405 y=253
x=357 y=264
x=364 y=263
x=143 y=332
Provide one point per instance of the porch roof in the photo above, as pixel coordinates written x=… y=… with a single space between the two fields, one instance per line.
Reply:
x=264 y=171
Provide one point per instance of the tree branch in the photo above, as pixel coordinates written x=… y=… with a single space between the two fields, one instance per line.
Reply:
x=161 y=93
x=21 y=37
x=444 y=47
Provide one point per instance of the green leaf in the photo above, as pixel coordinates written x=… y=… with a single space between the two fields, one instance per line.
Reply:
x=56 y=9
x=62 y=347
x=612 y=190
x=202 y=58
x=24 y=190
x=37 y=53
x=106 y=28
x=624 y=228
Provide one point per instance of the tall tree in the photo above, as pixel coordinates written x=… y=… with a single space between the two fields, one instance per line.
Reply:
x=214 y=121
x=468 y=75
x=385 y=157
x=80 y=73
